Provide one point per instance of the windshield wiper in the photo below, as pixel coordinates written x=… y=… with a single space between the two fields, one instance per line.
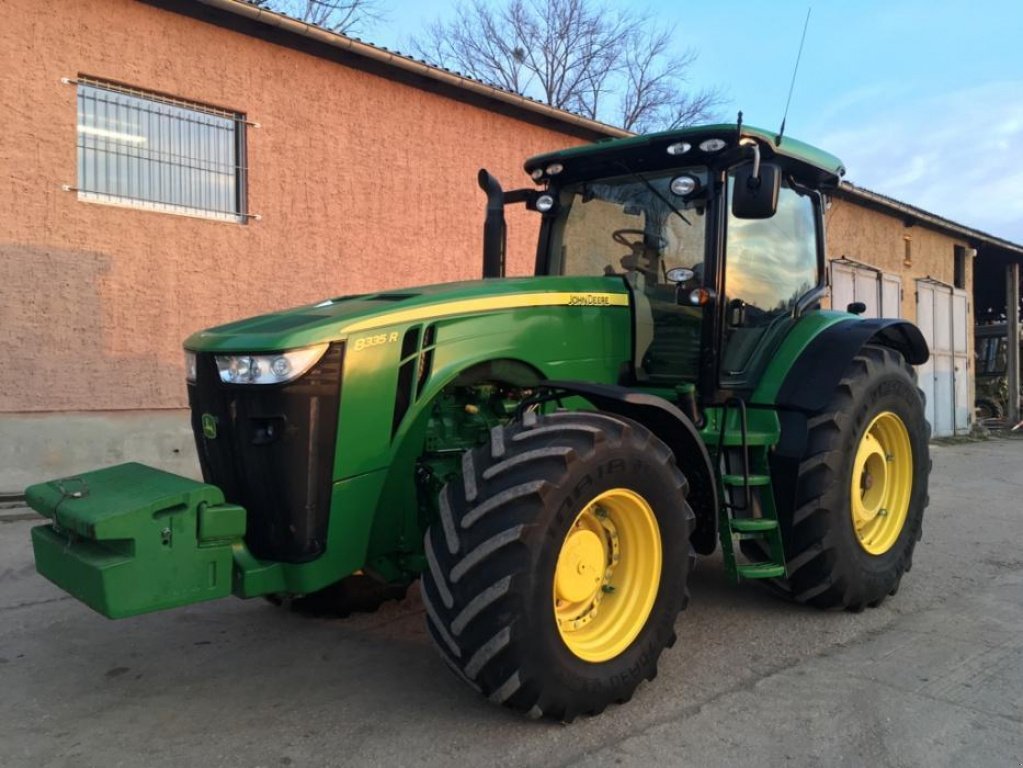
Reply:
x=646 y=182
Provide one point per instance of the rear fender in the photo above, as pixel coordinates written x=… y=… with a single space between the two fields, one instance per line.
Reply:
x=811 y=381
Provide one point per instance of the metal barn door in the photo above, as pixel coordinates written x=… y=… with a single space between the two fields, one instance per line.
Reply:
x=944 y=373
x=944 y=378
x=961 y=362
x=925 y=372
x=866 y=291
x=843 y=289
x=880 y=293
x=891 y=295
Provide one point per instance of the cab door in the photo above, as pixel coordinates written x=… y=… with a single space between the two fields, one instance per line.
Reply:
x=770 y=266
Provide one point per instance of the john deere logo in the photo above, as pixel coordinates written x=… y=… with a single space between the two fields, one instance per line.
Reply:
x=209 y=426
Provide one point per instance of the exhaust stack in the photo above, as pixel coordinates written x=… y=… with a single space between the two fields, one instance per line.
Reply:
x=494 y=228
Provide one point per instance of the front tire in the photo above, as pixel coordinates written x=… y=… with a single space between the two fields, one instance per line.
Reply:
x=559 y=563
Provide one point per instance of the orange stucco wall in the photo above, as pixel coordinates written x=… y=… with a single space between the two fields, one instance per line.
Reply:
x=362 y=183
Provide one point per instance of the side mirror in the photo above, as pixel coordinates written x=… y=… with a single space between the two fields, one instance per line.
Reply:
x=755 y=191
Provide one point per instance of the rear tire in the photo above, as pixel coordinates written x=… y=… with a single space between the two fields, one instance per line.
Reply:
x=495 y=589
x=843 y=549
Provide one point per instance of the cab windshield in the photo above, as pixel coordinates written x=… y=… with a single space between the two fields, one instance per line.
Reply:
x=636 y=227
x=629 y=223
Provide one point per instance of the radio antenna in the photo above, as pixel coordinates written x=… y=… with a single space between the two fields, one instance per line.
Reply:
x=795 y=69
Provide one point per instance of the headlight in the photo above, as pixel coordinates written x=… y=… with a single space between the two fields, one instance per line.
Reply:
x=273 y=368
x=189 y=365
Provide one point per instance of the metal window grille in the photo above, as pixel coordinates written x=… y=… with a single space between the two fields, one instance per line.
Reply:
x=153 y=152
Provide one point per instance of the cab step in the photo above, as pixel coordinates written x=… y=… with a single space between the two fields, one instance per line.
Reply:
x=738 y=481
x=747 y=497
x=753 y=525
x=760 y=570
x=734 y=439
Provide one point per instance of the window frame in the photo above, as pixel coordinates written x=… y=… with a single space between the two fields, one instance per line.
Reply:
x=238 y=164
x=959 y=266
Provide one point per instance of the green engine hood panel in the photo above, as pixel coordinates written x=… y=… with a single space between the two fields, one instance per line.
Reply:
x=334 y=319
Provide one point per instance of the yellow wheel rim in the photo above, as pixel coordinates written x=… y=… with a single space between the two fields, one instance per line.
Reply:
x=882 y=482
x=607 y=576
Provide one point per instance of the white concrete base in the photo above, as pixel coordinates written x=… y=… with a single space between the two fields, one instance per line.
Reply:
x=42 y=446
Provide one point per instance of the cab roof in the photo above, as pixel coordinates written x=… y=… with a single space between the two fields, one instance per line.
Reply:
x=650 y=152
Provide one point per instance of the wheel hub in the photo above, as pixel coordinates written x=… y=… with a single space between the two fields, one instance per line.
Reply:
x=607 y=575
x=581 y=566
x=872 y=465
x=882 y=482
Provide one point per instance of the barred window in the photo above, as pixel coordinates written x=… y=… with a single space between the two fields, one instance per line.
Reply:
x=153 y=152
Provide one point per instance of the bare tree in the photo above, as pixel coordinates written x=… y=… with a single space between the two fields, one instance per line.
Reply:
x=577 y=55
x=343 y=16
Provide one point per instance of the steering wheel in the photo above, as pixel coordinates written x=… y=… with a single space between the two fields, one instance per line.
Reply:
x=641 y=257
x=620 y=236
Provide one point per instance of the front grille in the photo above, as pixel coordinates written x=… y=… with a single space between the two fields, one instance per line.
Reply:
x=272 y=453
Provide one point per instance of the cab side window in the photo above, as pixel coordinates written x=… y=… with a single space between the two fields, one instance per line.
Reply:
x=769 y=265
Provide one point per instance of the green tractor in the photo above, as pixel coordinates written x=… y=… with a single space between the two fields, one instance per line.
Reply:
x=548 y=455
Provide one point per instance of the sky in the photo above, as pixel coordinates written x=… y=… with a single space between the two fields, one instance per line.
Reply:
x=923 y=101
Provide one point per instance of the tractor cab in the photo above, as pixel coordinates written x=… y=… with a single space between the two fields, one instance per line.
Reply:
x=718 y=233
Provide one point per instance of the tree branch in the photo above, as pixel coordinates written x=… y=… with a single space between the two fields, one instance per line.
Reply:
x=578 y=55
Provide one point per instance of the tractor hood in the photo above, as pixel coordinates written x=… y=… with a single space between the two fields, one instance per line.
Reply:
x=338 y=318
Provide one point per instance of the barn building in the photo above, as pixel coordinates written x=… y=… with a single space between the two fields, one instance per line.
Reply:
x=270 y=163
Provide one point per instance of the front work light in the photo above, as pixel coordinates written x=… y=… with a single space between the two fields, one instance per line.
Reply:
x=189 y=365
x=273 y=368
x=684 y=185
x=712 y=145
x=544 y=203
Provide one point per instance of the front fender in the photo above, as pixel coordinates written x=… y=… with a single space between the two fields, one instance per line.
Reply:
x=677 y=431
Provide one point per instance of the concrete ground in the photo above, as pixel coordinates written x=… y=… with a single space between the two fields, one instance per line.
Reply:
x=932 y=677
